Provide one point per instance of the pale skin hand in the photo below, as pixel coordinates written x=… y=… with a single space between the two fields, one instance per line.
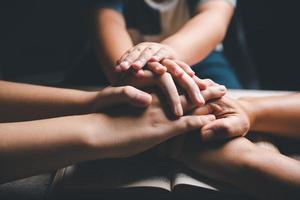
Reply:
x=58 y=142
x=200 y=36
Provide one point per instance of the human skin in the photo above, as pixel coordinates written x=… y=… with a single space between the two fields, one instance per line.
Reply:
x=30 y=145
x=200 y=35
x=261 y=172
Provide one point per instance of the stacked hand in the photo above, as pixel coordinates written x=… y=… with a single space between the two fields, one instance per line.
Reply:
x=162 y=69
x=139 y=129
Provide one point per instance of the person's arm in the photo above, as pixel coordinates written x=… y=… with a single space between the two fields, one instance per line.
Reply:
x=278 y=115
x=200 y=35
x=259 y=172
x=112 y=40
x=19 y=102
x=33 y=147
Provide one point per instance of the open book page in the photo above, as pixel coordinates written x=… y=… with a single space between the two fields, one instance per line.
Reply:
x=185 y=176
x=140 y=171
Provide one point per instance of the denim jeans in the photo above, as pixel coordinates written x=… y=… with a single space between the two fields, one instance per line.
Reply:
x=216 y=67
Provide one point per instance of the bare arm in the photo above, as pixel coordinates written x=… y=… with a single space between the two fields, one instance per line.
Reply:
x=200 y=35
x=25 y=102
x=277 y=115
x=19 y=102
x=260 y=172
x=112 y=40
x=33 y=147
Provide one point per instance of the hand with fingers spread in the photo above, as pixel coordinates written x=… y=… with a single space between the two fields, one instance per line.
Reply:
x=138 y=56
x=177 y=74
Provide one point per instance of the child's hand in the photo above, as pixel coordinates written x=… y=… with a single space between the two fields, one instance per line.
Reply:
x=138 y=56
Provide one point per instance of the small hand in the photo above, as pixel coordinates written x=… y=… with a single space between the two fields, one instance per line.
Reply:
x=138 y=56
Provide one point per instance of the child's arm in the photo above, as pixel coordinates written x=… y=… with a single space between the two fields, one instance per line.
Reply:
x=193 y=42
x=20 y=102
x=112 y=40
x=200 y=35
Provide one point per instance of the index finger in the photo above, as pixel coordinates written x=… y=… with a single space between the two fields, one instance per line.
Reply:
x=168 y=86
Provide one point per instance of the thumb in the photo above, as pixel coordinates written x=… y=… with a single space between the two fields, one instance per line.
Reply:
x=125 y=94
x=188 y=123
x=224 y=128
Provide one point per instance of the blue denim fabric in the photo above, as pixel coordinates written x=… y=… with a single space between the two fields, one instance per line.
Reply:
x=217 y=68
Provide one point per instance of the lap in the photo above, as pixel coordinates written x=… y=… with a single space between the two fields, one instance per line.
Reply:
x=216 y=67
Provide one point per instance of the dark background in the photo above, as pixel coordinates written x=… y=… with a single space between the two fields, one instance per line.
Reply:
x=49 y=37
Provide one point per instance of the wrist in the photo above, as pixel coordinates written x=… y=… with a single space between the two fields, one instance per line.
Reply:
x=171 y=49
x=91 y=135
x=90 y=102
x=250 y=109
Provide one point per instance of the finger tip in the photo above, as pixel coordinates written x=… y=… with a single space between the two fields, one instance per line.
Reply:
x=118 y=69
x=207 y=135
x=178 y=111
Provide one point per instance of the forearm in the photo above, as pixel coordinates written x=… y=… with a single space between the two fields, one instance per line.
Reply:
x=19 y=102
x=277 y=115
x=262 y=173
x=269 y=175
x=199 y=36
x=34 y=147
x=112 y=40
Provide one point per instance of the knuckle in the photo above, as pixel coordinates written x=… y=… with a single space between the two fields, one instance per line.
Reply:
x=168 y=75
x=128 y=91
x=191 y=123
x=227 y=128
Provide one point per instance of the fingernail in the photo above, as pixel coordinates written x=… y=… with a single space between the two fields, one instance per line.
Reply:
x=140 y=74
x=178 y=110
x=144 y=99
x=200 y=98
x=207 y=135
x=222 y=88
x=138 y=63
x=118 y=68
x=178 y=72
x=155 y=58
x=124 y=65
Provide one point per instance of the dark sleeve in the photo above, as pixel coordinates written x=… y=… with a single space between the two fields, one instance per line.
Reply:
x=114 y=4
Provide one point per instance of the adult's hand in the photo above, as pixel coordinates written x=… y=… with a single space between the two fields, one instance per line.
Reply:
x=125 y=130
x=232 y=119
